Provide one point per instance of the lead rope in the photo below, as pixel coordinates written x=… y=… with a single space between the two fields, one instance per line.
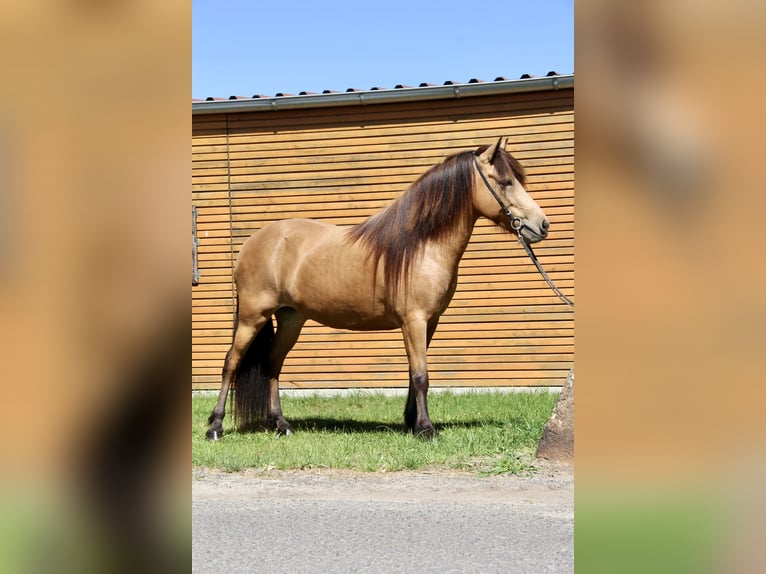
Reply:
x=516 y=225
x=548 y=280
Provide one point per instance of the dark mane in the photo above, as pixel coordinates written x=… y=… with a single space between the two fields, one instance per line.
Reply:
x=438 y=201
x=431 y=207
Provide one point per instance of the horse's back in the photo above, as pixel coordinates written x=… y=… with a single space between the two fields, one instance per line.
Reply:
x=278 y=244
x=315 y=268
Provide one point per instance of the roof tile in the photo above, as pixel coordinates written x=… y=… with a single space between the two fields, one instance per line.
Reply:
x=374 y=88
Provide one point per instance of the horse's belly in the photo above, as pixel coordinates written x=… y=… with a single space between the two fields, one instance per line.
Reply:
x=332 y=282
x=341 y=300
x=350 y=319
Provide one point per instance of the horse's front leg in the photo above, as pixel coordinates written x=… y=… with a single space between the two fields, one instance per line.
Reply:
x=416 y=410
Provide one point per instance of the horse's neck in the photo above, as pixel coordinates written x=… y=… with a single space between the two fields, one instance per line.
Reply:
x=452 y=245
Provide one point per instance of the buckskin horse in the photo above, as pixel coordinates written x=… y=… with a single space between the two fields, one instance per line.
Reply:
x=396 y=270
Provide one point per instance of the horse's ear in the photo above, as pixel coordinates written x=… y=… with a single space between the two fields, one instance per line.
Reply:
x=505 y=144
x=490 y=154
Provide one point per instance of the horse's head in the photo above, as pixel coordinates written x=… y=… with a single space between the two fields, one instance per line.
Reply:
x=502 y=188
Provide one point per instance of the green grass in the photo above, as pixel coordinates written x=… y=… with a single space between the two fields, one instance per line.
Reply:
x=491 y=433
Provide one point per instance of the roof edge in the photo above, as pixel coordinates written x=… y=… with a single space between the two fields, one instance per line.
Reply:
x=371 y=97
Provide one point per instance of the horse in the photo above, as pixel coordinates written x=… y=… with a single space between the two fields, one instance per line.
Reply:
x=396 y=270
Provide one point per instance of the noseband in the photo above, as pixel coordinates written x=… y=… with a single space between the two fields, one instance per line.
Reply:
x=517 y=224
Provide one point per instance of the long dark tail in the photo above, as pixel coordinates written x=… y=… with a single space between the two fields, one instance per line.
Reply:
x=251 y=382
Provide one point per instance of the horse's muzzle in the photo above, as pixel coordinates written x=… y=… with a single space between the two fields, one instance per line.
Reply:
x=532 y=235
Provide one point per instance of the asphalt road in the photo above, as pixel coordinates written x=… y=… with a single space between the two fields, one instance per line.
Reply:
x=333 y=522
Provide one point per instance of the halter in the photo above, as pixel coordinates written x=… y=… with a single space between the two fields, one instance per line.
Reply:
x=517 y=224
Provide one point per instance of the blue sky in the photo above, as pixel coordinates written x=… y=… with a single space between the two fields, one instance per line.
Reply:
x=246 y=47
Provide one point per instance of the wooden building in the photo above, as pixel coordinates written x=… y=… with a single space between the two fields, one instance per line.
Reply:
x=341 y=157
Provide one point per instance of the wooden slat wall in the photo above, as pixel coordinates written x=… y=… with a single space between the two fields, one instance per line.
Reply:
x=504 y=326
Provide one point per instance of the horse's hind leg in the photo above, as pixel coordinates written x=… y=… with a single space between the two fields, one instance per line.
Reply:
x=244 y=333
x=289 y=325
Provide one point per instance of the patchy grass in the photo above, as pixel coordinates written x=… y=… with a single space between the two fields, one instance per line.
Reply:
x=492 y=433
x=518 y=464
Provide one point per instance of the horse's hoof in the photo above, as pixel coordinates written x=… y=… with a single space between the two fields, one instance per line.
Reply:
x=424 y=432
x=284 y=431
x=213 y=434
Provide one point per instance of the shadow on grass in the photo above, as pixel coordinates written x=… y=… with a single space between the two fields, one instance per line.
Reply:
x=351 y=426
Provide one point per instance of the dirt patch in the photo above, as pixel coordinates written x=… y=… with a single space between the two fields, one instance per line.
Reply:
x=551 y=483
